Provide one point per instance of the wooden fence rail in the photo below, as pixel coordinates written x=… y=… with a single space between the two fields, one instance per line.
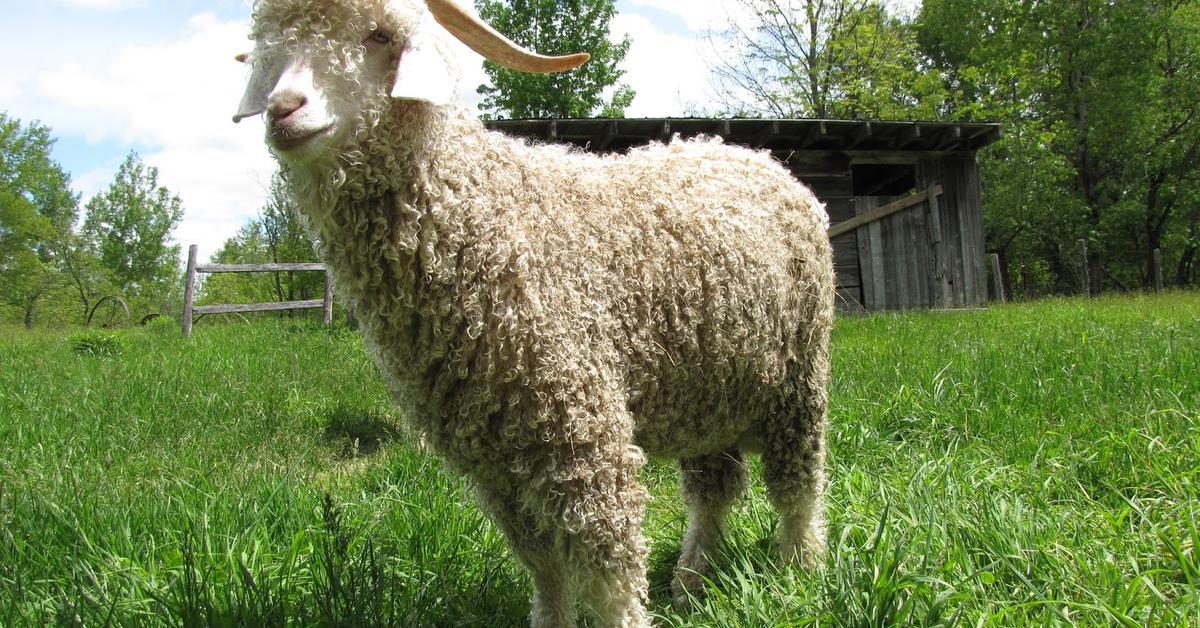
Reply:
x=190 y=309
x=883 y=212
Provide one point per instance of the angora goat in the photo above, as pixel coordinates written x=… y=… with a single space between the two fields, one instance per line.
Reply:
x=547 y=317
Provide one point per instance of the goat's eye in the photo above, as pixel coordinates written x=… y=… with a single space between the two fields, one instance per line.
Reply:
x=380 y=37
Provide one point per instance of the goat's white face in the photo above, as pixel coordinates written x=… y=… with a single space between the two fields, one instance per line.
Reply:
x=315 y=91
x=316 y=87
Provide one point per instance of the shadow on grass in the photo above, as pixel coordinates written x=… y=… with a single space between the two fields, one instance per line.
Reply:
x=742 y=552
x=354 y=433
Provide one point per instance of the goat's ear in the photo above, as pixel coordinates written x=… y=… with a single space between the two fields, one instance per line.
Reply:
x=423 y=72
x=264 y=76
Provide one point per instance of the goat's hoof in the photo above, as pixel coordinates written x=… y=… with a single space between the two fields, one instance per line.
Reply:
x=684 y=594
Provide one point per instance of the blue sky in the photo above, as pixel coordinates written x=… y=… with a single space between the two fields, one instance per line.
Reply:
x=156 y=76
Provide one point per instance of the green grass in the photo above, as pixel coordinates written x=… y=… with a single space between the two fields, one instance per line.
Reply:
x=1026 y=465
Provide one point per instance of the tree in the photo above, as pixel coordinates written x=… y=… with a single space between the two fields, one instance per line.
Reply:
x=287 y=240
x=556 y=27
x=37 y=213
x=1102 y=97
x=277 y=235
x=823 y=59
x=129 y=228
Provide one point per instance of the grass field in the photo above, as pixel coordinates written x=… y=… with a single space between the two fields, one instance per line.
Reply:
x=1025 y=465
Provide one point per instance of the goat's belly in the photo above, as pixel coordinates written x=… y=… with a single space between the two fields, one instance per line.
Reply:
x=675 y=435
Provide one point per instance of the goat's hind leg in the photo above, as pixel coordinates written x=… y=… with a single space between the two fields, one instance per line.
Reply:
x=794 y=472
x=710 y=485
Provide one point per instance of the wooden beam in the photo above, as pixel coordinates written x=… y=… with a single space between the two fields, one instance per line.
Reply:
x=189 y=290
x=883 y=211
x=908 y=136
x=327 y=303
x=861 y=132
x=258 y=268
x=606 y=140
x=814 y=132
x=313 y=304
x=949 y=137
x=942 y=295
x=768 y=132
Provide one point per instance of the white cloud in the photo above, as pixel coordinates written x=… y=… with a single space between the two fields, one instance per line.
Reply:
x=667 y=71
x=101 y=5
x=700 y=15
x=176 y=98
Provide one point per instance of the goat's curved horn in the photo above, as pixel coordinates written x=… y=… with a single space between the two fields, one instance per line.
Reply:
x=481 y=38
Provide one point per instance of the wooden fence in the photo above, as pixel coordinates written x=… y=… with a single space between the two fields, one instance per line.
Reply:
x=190 y=310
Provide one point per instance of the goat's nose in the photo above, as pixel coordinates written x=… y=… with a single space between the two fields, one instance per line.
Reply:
x=285 y=103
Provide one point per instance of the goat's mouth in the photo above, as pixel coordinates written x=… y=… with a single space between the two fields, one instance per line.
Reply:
x=286 y=137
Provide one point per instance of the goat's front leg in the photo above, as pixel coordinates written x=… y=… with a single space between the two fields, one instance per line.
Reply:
x=610 y=547
x=542 y=552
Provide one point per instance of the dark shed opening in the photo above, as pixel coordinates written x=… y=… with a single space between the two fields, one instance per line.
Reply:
x=902 y=197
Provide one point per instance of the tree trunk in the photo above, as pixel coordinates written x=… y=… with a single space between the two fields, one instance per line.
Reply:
x=29 y=305
x=1186 y=266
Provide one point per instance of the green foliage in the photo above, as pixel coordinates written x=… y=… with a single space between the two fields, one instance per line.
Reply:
x=1103 y=137
x=37 y=213
x=129 y=227
x=96 y=343
x=824 y=59
x=277 y=235
x=1027 y=465
x=557 y=27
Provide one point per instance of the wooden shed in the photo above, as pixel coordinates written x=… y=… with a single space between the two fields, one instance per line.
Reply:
x=902 y=197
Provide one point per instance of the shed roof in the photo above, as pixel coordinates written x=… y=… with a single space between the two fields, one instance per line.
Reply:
x=615 y=134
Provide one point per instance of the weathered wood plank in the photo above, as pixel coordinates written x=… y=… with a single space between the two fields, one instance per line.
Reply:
x=863 y=241
x=954 y=253
x=839 y=209
x=258 y=268
x=891 y=254
x=878 y=274
x=899 y=223
x=884 y=211
x=916 y=250
x=844 y=249
x=189 y=291
x=312 y=304
x=327 y=303
x=941 y=285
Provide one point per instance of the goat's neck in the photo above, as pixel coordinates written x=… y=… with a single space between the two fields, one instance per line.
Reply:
x=412 y=240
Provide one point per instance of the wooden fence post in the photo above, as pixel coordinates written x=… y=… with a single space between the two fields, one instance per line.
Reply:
x=997 y=280
x=1158 y=278
x=1085 y=280
x=327 y=317
x=189 y=291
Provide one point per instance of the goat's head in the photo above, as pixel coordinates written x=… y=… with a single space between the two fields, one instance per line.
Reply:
x=320 y=68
